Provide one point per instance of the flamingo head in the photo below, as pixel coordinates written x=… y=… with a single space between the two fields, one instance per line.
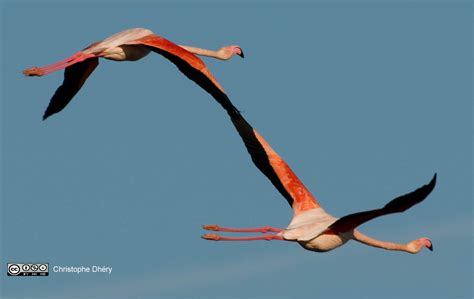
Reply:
x=415 y=246
x=229 y=51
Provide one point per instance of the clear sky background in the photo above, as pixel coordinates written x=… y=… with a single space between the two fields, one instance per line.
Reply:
x=365 y=102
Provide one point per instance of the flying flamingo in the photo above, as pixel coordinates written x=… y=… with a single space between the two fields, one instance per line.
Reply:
x=129 y=45
x=312 y=227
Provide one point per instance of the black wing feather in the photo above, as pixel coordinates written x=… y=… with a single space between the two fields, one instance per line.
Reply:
x=397 y=205
x=74 y=77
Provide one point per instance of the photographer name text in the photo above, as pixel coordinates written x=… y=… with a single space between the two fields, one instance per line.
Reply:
x=82 y=269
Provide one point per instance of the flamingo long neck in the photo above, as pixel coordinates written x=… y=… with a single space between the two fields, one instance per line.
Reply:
x=358 y=236
x=202 y=52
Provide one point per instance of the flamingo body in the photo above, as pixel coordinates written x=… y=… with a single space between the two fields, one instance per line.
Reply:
x=308 y=225
x=310 y=230
x=110 y=44
x=326 y=242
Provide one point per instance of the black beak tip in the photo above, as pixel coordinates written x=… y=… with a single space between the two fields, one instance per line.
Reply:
x=241 y=53
x=430 y=247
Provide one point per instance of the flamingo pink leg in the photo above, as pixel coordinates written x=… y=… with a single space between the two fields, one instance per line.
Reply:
x=216 y=237
x=41 y=71
x=264 y=229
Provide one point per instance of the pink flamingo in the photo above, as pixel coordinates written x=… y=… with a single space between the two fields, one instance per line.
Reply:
x=130 y=45
x=311 y=226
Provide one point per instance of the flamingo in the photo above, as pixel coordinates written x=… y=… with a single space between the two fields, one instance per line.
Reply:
x=311 y=226
x=129 y=45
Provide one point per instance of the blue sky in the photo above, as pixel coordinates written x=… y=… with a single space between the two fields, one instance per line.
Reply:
x=365 y=102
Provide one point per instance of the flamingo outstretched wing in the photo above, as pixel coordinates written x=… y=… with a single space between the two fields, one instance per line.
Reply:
x=267 y=160
x=74 y=77
x=397 y=205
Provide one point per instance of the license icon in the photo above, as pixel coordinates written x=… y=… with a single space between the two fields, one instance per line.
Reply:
x=27 y=269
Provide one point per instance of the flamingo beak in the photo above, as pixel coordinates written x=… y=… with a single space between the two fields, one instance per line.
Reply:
x=241 y=54
x=427 y=243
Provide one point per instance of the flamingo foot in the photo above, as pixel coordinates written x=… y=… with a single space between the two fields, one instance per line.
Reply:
x=213 y=227
x=212 y=237
x=33 y=71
